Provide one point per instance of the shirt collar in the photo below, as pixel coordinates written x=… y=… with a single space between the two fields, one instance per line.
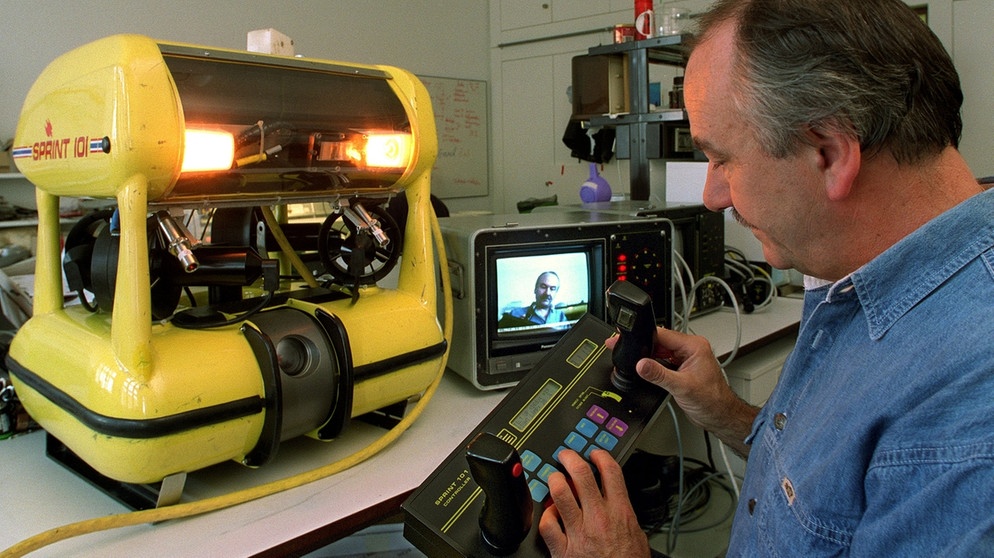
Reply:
x=902 y=276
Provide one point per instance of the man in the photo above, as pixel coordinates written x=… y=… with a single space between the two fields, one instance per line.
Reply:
x=831 y=127
x=542 y=310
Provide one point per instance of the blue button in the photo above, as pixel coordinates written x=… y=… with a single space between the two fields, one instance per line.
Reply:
x=606 y=441
x=538 y=490
x=586 y=427
x=575 y=442
x=530 y=460
x=555 y=454
x=546 y=471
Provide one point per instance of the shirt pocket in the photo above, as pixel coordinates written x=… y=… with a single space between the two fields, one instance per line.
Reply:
x=791 y=513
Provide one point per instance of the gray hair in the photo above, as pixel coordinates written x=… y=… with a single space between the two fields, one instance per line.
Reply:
x=869 y=68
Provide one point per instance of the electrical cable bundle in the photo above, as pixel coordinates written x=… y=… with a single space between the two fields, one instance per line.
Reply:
x=755 y=285
x=672 y=493
x=655 y=494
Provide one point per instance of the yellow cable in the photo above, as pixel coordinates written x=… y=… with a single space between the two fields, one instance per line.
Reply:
x=189 y=509
x=288 y=250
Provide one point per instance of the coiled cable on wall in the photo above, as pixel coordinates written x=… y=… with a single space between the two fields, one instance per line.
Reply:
x=207 y=505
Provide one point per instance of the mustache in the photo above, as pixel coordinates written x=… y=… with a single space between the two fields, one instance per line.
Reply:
x=739 y=218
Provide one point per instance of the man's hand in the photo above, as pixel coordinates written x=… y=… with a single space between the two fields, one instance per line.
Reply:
x=590 y=520
x=697 y=385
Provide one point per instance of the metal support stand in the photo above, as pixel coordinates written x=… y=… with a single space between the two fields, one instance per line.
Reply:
x=388 y=416
x=133 y=496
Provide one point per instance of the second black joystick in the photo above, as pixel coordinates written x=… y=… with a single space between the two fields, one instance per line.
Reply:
x=506 y=517
x=629 y=308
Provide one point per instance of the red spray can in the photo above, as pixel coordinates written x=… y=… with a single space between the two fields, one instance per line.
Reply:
x=645 y=20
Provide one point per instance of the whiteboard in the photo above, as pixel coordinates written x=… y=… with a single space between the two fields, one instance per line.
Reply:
x=462 y=167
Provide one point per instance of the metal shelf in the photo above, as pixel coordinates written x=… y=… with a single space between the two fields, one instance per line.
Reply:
x=640 y=121
x=674 y=115
x=670 y=49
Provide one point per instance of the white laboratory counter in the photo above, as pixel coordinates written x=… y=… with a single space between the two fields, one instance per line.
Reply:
x=38 y=494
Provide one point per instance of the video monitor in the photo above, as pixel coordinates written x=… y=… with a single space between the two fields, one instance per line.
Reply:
x=541 y=292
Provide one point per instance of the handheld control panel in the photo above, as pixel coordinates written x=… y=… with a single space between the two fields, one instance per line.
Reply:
x=486 y=497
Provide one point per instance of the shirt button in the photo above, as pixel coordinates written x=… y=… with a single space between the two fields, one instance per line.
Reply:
x=752 y=505
x=780 y=421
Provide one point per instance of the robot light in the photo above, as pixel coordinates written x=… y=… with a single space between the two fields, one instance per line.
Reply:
x=378 y=150
x=388 y=150
x=207 y=150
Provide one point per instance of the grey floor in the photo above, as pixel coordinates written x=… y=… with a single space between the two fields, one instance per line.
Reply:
x=378 y=541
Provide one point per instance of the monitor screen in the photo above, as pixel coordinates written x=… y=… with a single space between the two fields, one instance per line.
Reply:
x=541 y=292
x=538 y=292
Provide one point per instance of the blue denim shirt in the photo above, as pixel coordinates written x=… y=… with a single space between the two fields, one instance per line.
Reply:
x=878 y=439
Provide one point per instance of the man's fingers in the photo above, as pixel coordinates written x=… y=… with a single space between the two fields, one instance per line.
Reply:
x=551 y=529
x=654 y=372
x=612 y=479
x=581 y=474
x=564 y=499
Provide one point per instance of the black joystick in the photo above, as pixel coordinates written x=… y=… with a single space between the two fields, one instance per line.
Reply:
x=629 y=308
x=506 y=517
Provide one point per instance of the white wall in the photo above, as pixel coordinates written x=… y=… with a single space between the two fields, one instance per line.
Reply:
x=447 y=38
x=973 y=50
x=963 y=26
x=533 y=41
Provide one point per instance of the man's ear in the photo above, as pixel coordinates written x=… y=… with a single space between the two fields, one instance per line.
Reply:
x=839 y=159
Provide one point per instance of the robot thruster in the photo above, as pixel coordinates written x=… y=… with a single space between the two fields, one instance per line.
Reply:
x=184 y=349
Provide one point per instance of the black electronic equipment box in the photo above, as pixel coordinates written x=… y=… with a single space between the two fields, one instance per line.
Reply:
x=494 y=261
x=698 y=237
x=571 y=399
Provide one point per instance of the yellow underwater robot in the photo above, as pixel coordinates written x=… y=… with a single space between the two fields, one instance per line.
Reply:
x=186 y=350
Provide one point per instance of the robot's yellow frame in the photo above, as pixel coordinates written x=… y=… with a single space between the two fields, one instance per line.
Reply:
x=139 y=399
